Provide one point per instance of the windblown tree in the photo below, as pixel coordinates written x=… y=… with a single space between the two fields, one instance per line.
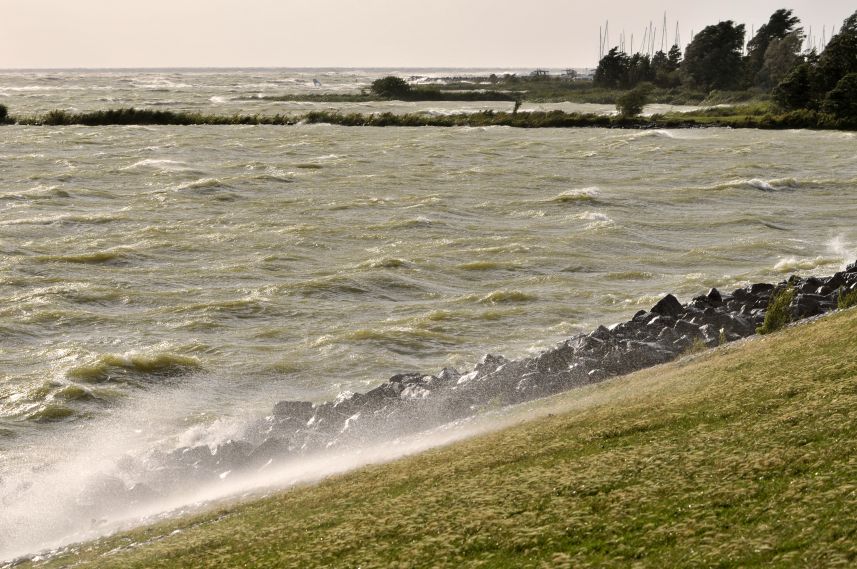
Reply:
x=841 y=102
x=781 y=24
x=713 y=58
x=810 y=85
x=782 y=55
x=612 y=71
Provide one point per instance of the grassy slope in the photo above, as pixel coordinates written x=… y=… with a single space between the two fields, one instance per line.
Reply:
x=745 y=456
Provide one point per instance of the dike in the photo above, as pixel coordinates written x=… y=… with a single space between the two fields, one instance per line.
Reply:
x=409 y=403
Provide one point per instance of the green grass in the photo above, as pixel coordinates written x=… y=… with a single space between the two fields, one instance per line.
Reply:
x=739 y=457
x=847 y=299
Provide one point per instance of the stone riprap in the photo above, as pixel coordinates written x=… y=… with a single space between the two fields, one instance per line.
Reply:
x=411 y=402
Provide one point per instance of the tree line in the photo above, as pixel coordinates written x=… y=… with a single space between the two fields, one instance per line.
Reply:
x=773 y=63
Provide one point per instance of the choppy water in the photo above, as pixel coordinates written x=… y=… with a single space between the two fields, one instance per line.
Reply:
x=166 y=283
x=244 y=91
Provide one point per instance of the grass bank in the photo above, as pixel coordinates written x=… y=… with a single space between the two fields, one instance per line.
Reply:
x=740 y=457
x=758 y=116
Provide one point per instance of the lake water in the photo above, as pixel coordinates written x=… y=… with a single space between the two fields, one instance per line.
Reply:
x=172 y=282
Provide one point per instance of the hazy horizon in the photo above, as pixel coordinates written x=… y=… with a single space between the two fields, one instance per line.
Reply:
x=374 y=34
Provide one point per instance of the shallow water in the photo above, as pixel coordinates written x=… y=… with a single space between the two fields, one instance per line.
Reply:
x=160 y=285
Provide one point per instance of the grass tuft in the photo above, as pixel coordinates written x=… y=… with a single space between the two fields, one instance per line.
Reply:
x=847 y=299
x=778 y=313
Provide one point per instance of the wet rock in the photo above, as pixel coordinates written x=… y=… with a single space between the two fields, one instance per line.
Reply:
x=714 y=296
x=762 y=289
x=296 y=409
x=852 y=268
x=668 y=306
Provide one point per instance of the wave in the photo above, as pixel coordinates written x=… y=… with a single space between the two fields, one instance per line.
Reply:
x=110 y=256
x=416 y=222
x=133 y=366
x=593 y=216
x=161 y=165
x=203 y=184
x=65 y=219
x=384 y=263
x=774 y=185
x=791 y=264
x=488 y=266
x=582 y=195
x=507 y=296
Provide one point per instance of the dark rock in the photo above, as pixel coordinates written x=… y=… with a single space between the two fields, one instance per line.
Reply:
x=762 y=289
x=640 y=316
x=836 y=281
x=293 y=409
x=683 y=327
x=668 y=306
x=600 y=333
x=231 y=453
x=271 y=449
x=714 y=296
x=852 y=268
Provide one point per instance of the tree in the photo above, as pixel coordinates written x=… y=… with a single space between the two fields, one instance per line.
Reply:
x=674 y=58
x=839 y=58
x=808 y=85
x=782 y=56
x=781 y=24
x=631 y=103
x=796 y=90
x=713 y=58
x=841 y=102
x=612 y=71
x=639 y=69
x=391 y=87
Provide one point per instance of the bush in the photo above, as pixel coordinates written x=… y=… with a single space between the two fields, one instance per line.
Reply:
x=847 y=299
x=391 y=87
x=841 y=102
x=631 y=103
x=778 y=313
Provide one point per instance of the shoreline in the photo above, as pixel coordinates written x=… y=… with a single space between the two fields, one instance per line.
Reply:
x=525 y=119
x=408 y=404
x=528 y=381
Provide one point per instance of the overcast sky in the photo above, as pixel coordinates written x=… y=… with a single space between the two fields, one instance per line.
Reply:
x=356 y=33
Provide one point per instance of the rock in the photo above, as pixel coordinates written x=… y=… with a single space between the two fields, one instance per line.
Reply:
x=852 y=268
x=714 y=296
x=762 y=289
x=298 y=409
x=668 y=306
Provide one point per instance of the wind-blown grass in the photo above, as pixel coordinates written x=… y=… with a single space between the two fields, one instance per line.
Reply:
x=739 y=457
x=536 y=119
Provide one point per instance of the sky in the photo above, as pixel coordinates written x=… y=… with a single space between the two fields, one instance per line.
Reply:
x=357 y=33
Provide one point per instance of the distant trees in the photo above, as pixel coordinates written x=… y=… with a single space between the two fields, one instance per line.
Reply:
x=612 y=71
x=781 y=24
x=825 y=82
x=619 y=70
x=713 y=58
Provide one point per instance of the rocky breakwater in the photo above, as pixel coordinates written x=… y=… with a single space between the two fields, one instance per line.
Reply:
x=412 y=402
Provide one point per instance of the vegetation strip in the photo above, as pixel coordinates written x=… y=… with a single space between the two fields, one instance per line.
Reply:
x=740 y=117
x=735 y=458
